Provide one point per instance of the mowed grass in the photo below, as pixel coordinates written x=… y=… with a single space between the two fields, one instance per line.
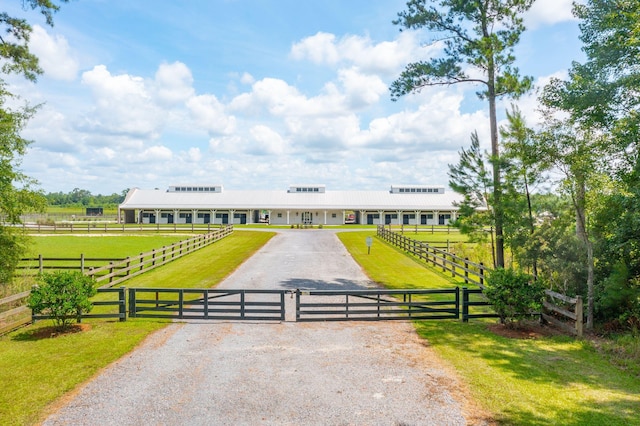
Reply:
x=99 y=245
x=35 y=372
x=555 y=380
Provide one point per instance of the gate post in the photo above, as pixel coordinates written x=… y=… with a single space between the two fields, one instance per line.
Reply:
x=132 y=303
x=465 y=305
x=457 y=302
x=122 y=307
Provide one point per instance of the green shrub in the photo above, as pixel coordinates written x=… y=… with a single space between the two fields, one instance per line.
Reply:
x=514 y=295
x=63 y=295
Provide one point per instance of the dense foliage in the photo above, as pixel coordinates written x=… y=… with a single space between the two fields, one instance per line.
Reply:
x=514 y=295
x=582 y=238
x=18 y=192
x=64 y=295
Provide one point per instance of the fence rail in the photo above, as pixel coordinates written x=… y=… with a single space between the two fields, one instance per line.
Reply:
x=112 y=271
x=471 y=272
x=13 y=313
x=121 y=315
x=570 y=308
x=106 y=227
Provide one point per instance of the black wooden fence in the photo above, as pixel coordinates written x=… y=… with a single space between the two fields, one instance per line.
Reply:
x=471 y=272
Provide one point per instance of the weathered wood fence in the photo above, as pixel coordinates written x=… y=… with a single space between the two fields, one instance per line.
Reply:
x=564 y=312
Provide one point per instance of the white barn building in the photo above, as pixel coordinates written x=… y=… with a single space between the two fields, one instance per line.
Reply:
x=300 y=204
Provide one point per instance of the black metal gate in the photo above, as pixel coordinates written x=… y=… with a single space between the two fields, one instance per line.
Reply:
x=209 y=304
x=377 y=305
x=310 y=305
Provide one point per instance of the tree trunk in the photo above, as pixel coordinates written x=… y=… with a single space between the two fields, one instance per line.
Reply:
x=495 y=155
x=583 y=235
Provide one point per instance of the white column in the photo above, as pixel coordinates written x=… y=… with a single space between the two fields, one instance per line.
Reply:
x=363 y=219
x=325 y=217
x=436 y=217
x=380 y=217
x=399 y=217
x=213 y=216
x=288 y=211
x=231 y=213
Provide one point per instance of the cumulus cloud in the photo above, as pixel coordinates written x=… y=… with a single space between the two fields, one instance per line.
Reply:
x=549 y=12
x=266 y=141
x=174 y=83
x=54 y=54
x=123 y=104
x=209 y=114
x=384 y=58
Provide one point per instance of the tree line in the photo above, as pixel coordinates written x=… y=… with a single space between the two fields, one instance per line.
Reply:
x=84 y=198
x=583 y=236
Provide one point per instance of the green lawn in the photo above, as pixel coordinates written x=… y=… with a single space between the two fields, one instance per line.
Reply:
x=35 y=372
x=544 y=381
x=100 y=245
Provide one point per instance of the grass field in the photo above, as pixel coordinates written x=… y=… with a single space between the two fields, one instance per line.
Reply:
x=555 y=380
x=35 y=371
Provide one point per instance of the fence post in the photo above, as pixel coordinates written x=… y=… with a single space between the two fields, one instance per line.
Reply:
x=153 y=257
x=453 y=267
x=457 y=302
x=123 y=304
x=110 y=271
x=141 y=261
x=481 y=275
x=128 y=265
x=82 y=263
x=132 y=303
x=40 y=263
x=465 y=305
x=466 y=270
x=579 y=316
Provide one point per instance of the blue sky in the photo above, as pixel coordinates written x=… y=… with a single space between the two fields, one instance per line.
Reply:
x=253 y=94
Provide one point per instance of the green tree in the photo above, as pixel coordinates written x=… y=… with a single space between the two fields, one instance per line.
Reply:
x=63 y=295
x=522 y=173
x=18 y=192
x=479 y=35
x=472 y=179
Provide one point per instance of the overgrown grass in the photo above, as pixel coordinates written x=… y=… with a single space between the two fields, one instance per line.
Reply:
x=549 y=380
x=34 y=372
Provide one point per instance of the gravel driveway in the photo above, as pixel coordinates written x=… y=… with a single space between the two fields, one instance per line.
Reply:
x=243 y=373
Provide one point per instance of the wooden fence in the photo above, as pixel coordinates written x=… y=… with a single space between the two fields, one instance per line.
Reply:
x=562 y=311
x=120 y=303
x=109 y=272
x=471 y=272
x=106 y=227
x=570 y=308
x=14 y=313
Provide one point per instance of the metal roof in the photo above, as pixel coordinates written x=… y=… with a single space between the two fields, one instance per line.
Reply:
x=283 y=200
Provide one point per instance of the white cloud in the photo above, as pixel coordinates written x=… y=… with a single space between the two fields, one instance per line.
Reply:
x=549 y=12
x=54 y=55
x=174 y=83
x=209 y=114
x=266 y=141
x=123 y=104
x=386 y=57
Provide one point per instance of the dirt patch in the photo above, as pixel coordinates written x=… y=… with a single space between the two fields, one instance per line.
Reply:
x=532 y=330
x=52 y=331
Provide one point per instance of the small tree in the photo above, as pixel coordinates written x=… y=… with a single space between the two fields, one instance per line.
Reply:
x=62 y=295
x=514 y=295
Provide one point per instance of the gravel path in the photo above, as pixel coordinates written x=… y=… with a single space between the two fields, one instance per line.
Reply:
x=243 y=373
